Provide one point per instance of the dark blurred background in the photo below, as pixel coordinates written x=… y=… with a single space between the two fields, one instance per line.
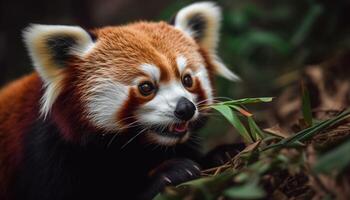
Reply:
x=267 y=42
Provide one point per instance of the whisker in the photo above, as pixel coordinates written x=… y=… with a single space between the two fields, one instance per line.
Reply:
x=143 y=130
x=130 y=125
x=123 y=128
x=111 y=141
x=125 y=118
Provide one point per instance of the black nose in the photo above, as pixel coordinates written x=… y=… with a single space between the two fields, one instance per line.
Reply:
x=184 y=109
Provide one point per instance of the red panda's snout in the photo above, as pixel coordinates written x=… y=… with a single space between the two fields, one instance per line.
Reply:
x=170 y=115
x=185 y=109
x=167 y=110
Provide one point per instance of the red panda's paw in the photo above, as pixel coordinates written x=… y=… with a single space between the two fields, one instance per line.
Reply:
x=176 y=171
x=171 y=172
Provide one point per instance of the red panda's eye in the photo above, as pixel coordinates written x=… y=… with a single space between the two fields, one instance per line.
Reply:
x=187 y=81
x=146 y=88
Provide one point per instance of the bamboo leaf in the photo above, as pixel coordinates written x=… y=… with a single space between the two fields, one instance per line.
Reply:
x=241 y=110
x=253 y=132
x=248 y=101
x=311 y=131
x=234 y=120
x=259 y=133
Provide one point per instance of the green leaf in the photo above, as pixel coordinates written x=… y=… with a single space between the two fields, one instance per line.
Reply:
x=259 y=134
x=247 y=191
x=234 y=120
x=335 y=160
x=241 y=110
x=306 y=105
x=311 y=131
x=248 y=101
x=253 y=132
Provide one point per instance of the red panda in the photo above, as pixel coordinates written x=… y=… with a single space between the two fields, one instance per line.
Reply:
x=92 y=120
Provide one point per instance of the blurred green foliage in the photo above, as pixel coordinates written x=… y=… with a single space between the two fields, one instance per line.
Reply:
x=268 y=42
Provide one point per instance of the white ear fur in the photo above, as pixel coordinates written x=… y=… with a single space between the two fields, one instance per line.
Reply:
x=48 y=47
x=223 y=70
x=207 y=16
x=37 y=37
x=201 y=21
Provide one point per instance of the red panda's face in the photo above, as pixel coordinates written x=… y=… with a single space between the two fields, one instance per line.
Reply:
x=153 y=76
x=147 y=75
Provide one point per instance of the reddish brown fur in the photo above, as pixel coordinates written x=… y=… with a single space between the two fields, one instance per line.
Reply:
x=121 y=50
x=133 y=102
x=125 y=48
x=118 y=54
x=67 y=117
x=19 y=105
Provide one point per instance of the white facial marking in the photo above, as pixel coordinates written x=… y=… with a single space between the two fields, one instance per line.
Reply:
x=152 y=71
x=203 y=76
x=181 y=63
x=160 y=110
x=104 y=100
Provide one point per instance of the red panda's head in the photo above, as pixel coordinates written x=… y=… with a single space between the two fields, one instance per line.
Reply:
x=157 y=76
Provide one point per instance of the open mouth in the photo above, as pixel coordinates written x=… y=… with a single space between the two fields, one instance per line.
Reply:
x=176 y=130
x=171 y=135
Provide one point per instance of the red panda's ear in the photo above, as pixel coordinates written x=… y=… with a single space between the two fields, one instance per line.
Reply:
x=50 y=47
x=201 y=21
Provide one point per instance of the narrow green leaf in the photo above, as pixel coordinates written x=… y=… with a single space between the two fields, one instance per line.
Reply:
x=335 y=160
x=247 y=191
x=259 y=133
x=241 y=110
x=253 y=132
x=248 y=101
x=311 y=131
x=234 y=120
x=304 y=135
